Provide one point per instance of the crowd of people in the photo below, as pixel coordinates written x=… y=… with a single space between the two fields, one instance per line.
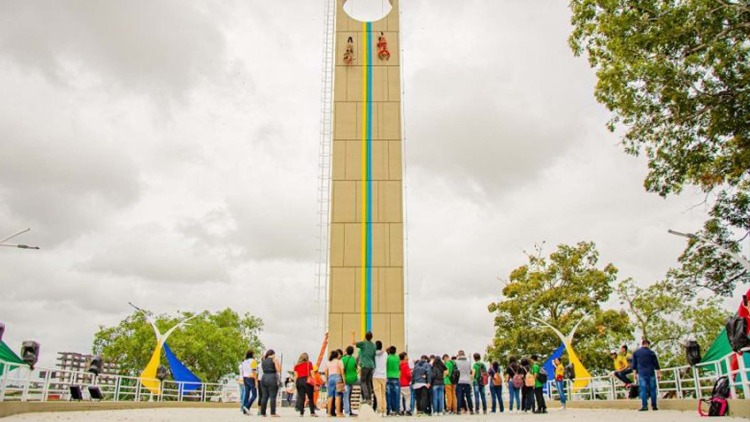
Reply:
x=431 y=385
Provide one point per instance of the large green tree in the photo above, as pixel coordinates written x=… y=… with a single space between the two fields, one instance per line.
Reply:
x=559 y=289
x=668 y=317
x=210 y=345
x=676 y=75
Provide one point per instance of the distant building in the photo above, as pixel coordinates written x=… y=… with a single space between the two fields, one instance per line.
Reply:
x=73 y=369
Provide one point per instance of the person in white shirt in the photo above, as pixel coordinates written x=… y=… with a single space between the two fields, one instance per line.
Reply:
x=379 y=378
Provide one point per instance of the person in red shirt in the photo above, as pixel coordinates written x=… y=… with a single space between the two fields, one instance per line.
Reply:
x=302 y=371
x=405 y=382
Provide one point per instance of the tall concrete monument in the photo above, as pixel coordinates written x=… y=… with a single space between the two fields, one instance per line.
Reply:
x=366 y=285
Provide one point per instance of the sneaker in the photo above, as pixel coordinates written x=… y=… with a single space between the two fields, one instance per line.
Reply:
x=643 y=409
x=654 y=408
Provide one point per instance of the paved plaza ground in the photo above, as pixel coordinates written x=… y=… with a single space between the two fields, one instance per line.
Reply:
x=224 y=414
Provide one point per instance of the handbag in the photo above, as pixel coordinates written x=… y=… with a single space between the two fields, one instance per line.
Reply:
x=340 y=387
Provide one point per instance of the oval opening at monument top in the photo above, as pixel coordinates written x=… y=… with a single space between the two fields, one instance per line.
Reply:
x=367 y=10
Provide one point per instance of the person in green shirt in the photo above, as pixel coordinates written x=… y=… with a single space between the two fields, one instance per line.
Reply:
x=480 y=376
x=450 y=388
x=350 y=378
x=366 y=364
x=393 y=386
x=541 y=406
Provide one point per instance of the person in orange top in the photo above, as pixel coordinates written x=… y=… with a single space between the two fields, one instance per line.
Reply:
x=316 y=389
x=383 y=53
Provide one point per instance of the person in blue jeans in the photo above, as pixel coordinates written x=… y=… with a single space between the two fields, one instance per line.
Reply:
x=479 y=392
x=496 y=387
x=647 y=370
x=514 y=393
x=438 y=386
x=560 y=381
x=393 y=383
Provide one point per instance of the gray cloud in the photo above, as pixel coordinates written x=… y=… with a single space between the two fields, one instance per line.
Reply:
x=155 y=254
x=156 y=47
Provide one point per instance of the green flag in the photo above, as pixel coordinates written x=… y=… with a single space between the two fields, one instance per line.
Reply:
x=7 y=355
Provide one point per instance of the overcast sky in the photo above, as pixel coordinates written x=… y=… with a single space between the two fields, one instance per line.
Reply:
x=166 y=153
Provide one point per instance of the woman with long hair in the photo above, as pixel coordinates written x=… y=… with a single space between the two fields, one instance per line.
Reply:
x=302 y=371
x=514 y=379
x=336 y=387
x=496 y=387
x=527 y=391
x=270 y=382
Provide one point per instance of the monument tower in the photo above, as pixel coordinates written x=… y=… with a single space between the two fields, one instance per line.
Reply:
x=366 y=273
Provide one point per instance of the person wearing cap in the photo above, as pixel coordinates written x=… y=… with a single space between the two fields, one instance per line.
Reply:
x=647 y=371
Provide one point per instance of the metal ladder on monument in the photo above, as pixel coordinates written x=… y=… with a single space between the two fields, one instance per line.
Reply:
x=324 y=167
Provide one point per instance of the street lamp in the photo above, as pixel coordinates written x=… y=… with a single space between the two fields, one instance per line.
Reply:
x=705 y=242
x=12 y=245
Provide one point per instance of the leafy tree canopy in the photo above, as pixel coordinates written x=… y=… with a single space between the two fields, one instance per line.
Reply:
x=667 y=317
x=560 y=289
x=210 y=345
x=676 y=74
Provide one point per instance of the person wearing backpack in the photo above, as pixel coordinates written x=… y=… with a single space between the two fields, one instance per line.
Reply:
x=438 y=386
x=421 y=381
x=647 y=372
x=450 y=386
x=479 y=381
x=527 y=391
x=540 y=378
x=514 y=379
x=496 y=387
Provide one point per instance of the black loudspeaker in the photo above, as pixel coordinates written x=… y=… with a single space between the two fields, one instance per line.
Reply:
x=96 y=365
x=95 y=392
x=30 y=352
x=162 y=373
x=75 y=392
x=2 y=330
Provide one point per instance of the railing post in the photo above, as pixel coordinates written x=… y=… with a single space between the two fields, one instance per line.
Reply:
x=161 y=391
x=613 y=389
x=591 y=388
x=732 y=384
x=697 y=381
x=138 y=390
x=4 y=380
x=117 y=388
x=743 y=373
x=45 y=387
x=568 y=389
x=179 y=391
x=203 y=392
x=678 y=382
x=25 y=394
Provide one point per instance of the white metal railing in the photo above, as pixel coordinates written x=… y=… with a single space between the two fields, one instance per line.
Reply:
x=679 y=383
x=20 y=383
